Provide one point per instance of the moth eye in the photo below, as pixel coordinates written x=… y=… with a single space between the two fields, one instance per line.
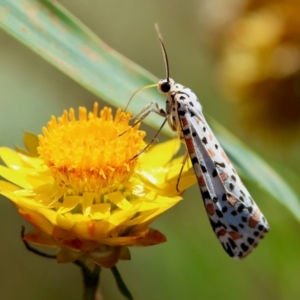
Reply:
x=165 y=87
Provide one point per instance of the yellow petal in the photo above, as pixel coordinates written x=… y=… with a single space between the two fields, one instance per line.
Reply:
x=63 y=222
x=40 y=238
x=48 y=194
x=35 y=163
x=186 y=181
x=126 y=240
x=87 y=202
x=118 y=199
x=121 y=216
x=159 y=155
x=9 y=187
x=69 y=203
x=48 y=214
x=153 y=237
x=31 y=143
x=93 y=230
x=18 y=178
x=100 y=211
x=37 y=221
x=70 y=241
x=11 y=158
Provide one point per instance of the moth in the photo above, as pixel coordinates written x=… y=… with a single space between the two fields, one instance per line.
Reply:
x=234 y=216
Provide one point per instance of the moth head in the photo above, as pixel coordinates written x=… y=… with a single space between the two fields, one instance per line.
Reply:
x=165 y=85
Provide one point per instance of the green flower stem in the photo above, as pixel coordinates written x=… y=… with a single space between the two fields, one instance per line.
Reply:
x=120 y=283
x=90 y=280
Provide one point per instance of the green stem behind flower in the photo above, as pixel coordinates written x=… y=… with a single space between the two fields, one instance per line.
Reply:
x=120 y=283
x=90 y=279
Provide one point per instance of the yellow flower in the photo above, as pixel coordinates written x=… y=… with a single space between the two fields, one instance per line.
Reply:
x=85 y=194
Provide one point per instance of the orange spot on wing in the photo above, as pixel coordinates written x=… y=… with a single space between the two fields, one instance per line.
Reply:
x=223 y=176
x=211 y=152
x=190 y=145
x=234 y=235
x=253 y=221
x=221 y=232
x=232 y=200
x=210 y=209
x=201 y=181
x=184 y=122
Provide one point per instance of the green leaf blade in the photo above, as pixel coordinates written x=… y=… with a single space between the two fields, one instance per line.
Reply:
x=57 y=36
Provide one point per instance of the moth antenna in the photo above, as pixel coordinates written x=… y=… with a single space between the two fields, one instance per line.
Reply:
x=164 y=51
x=138 y=90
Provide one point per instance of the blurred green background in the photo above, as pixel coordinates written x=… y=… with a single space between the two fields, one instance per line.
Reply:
x=191 y=265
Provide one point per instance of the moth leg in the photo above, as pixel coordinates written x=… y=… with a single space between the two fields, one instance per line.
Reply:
x=145 y=112
x=153 y=139
x=185 y=158
x=142 y=115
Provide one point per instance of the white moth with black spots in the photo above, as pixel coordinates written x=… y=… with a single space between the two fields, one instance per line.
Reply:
x=234 y=216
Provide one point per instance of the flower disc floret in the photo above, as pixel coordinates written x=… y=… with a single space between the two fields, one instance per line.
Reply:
x=92 y=152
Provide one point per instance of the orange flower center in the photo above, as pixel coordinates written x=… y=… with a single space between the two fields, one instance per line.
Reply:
x=93 y=152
